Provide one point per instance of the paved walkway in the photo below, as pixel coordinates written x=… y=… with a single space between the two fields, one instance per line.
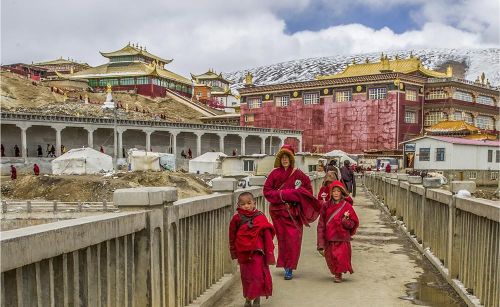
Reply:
x=381 y=260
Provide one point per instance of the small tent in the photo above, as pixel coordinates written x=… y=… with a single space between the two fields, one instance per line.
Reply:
x=208 y=162
x=140 y=160
x=80 y=161
x=341 y=155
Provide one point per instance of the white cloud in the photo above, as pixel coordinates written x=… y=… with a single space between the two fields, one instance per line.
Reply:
x=224 y=35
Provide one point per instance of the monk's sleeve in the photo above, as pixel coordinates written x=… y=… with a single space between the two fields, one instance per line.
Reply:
x=272 y=195
x=269 y=247
x=232 y=236
x=306 y=183
x=321 y=230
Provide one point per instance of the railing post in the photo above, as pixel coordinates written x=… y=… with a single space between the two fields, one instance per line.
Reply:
x=105 y=205
x=227 y=185
x=79 y=206
x=54 y=206
x=453 y=240
x=28 y=206
x=151 y=279
x=4 y=206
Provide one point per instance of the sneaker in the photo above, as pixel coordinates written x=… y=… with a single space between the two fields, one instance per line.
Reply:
x=256 y=302
x=288 y=274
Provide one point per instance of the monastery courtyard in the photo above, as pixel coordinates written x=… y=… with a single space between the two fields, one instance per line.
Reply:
x=388 y=271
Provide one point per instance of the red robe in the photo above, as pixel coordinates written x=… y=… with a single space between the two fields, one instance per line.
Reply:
x=36 y=169
x=334 y=236
x=290 y=209
x=252 y=244
x=13 y=173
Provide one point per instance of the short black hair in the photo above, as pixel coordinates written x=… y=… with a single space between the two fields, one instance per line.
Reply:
x=245 y=194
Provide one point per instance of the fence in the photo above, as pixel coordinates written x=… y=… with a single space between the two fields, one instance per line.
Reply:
x=461 y=236
x=156 y=252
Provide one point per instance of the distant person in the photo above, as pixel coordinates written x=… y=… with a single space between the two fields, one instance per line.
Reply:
x=190 y=153
x=48 y=150
x=39 y=151
x=13 y=172
x=348 y=177
x=183 y=154
x=388 y=168
x=235 y=152
x=251 y=243
x=332 y=167
x=101 y=149
x=3 y=151
x=52 y=151
x=63 y=149
x=16 y=151
x=36 y=169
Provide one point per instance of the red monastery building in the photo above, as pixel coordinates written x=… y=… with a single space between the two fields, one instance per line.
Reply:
x=370 y=106
x=132 y=68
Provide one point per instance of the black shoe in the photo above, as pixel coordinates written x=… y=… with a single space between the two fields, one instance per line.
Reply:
x=256 y=302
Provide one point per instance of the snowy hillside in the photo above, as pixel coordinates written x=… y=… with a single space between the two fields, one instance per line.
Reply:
x=469 y=62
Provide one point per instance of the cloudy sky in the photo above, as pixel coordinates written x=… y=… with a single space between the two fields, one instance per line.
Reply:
x=232 y=35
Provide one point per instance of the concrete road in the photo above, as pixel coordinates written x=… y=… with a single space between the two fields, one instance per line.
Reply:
x=381 y=261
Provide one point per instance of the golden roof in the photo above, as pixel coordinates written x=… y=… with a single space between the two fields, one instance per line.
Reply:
x=453 y=126
x=128 y=69
x=133 y=50
x=385 y=65
x=209 y=75
x=481 y=137
x=60 y=61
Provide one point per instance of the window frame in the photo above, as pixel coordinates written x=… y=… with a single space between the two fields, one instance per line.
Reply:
x=246 y=163
x=343 y=97
x=494 y=175
x=485 y=122
x=279 y=101
x=309 y=96
x=377 y=93
x=409 y=97
x=440 y=154
x=251 y=100
x=428 y=151
x=414 y=121
x=462 y=96
x=490 y=156
x=436 y=94
x=485 y=100
x=472 y=174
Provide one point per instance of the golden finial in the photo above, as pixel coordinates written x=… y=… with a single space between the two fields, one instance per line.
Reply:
x=382 y=56
x=483 y=77
x=353 y=61
x=108 y=88
x=248 y=79
x=367 y=60
x=396 y=57
x=449 y=71
x=411 y=54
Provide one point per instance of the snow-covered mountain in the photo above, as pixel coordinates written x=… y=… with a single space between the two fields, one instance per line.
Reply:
x=467 y=63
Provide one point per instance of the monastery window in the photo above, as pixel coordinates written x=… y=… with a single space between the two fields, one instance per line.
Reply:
x=424 y=154
x=490 y=155
x=249 y=118
x=439 y=154
x=254 y=103
x=498 y=156
x=103 y=82
x=485 y=100
x=377 y=93
x=436 y=94
x=494 y=176
x=465 y=116
x=127 y=81
x=472 y=175
x=142 y=80
x=248 y=165
x=311 y=98
x=342 y=96
x=411 y=95
x=93 y=82
x=459 y=95
x=434 y=117
x=283 y=101
x=410 y=117
x=484 y=122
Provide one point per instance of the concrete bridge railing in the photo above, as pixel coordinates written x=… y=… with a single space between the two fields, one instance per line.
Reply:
x=157 y=251
x=460 y=236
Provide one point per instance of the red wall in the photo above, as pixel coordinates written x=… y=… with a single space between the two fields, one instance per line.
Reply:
x=350 y=126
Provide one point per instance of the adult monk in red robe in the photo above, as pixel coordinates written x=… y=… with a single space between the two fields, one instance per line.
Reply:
x=292 y=205
x=251 y=242
x=337 y=224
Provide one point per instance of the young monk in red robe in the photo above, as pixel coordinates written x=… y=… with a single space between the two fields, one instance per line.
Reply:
x=251 y=242
x=293 y=205
x=337 y=224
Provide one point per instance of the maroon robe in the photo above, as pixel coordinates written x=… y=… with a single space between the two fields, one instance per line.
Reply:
x=290 y=209
x=334 y=235
x=252 y=244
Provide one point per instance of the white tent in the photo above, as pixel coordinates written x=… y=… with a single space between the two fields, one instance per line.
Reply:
x=82 y=161
x=140 y=160
x=342 y=155
x=208 y=162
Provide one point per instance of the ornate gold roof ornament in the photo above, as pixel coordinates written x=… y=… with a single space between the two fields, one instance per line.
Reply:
x=249 y=79
x=449 y=71
x=381 y=56
x=367 y=60
x=483 y=77
x=411 y=54
x=353 y=61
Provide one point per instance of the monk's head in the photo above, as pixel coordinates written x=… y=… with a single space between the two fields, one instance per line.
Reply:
x=246 y=201
x=338 y=190
x=285 y=161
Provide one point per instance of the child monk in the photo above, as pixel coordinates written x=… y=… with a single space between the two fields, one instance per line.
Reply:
x=337 y=224
x=251 y=242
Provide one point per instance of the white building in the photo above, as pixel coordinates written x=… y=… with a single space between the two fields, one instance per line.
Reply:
x=459 y=158
x=209 y=162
